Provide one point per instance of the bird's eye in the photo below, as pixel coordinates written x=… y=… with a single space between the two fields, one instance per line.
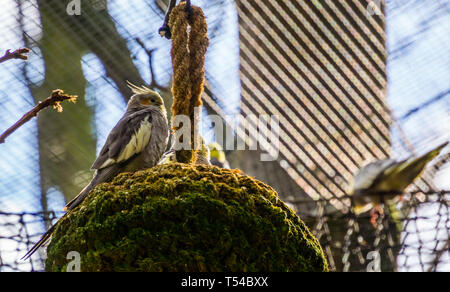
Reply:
x=153 y=100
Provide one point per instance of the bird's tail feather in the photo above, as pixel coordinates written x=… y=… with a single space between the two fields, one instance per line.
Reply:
x=412 y=168
x=80 y=197
x=421 y=161
x=100 y=176
x=44 y=239
x=435 y=152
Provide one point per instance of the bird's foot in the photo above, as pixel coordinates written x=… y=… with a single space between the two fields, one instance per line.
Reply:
x=375 y=213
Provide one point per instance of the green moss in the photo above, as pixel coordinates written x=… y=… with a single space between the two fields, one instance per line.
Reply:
x=178 y=217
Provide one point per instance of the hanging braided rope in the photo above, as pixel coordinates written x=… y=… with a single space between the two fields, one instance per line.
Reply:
x=189 y=45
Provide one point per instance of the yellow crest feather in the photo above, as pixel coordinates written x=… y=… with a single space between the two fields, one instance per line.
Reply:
x=139 y=90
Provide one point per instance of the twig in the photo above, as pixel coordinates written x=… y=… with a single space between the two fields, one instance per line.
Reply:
x=153 y=82
x=54 y=100
x=17 y=54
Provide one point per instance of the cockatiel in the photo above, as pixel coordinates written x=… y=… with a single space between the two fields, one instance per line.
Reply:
x=218 y=157
x=137 y=142
x=385 y=180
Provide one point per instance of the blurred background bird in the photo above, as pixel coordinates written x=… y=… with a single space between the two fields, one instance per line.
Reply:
x=137 y=142
x=218 y=157
x=385 y=181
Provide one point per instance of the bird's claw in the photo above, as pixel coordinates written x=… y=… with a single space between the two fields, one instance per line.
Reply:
x=375 y=213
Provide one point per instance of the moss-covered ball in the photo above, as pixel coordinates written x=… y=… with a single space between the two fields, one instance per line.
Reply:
x=179 y=217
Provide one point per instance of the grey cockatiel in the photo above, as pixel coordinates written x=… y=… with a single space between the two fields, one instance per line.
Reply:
x=386 y=179
x=137 y=142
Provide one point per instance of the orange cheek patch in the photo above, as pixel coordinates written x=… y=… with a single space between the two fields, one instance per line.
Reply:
x=145 y=102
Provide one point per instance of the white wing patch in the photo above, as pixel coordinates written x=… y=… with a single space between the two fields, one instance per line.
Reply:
x=137 y=143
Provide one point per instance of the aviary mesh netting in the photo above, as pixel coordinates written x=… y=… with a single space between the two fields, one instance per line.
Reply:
x=351 y=81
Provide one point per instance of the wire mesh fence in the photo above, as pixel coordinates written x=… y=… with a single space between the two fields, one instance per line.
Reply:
x=410 y=241
x=352 y=81
x=19 y=233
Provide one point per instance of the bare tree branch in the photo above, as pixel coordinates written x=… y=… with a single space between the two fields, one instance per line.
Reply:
x=54 y=100
x=17 y=54
x=153 y=82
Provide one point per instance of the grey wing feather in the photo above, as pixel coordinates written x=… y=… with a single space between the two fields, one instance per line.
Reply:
x=44 y=239
x=120 y=137
x=100 y=176
x=139 y=144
